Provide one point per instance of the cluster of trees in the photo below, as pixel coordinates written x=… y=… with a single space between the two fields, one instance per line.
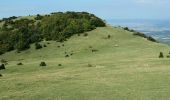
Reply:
x=140 y=34
x=20 y=33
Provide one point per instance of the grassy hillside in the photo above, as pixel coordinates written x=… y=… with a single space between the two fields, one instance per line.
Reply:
x=124 y=67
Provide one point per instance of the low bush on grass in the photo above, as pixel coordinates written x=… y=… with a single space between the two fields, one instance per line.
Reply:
x=168 y=56
x=109 y=36
x=43 y=64
x=20 y=63
x=2 y=67
x=59 y=64
x=89 y=65
x=94 y=50
x=161 y=55
x=66 y=56
x=85 y=34
x=3 y=61
x=38 y=46
x=45 y=45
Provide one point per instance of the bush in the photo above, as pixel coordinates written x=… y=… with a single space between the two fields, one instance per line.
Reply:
x=144 y=36
x=43 y=64
x=161 y=55
x=66 y=56
x=94 y=50
x=4 y=61
x=71 y=54
x=89 y=65
x=168 y=56
x=2 y=66
x=45 y=45
x=38 y=46
x=59 y=64
x=126 y=28
x=109 y=36
x=151 y=39
x=20 y=64
x=140 y=34
x=85 y=34
x=0 y=75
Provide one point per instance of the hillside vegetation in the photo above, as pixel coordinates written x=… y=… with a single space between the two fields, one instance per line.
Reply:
x=19 y=33
x=104 y=64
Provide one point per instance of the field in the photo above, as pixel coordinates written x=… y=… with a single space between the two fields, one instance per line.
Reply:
x=122 y=67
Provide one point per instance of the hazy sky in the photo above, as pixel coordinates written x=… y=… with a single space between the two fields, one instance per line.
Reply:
x=107 y=9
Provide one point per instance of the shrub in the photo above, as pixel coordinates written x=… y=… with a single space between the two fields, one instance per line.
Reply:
x=151 y=39
x=144 y=36
x=45 y=45
x=94 y=50
x=4 y=61
x=0 y=75
x=38 y=17
x=43 y=64
x=90 y=47
x=161 y=55
x=89 y=65
x=85 y=34
x=2 y=66
x=59 y=64
x=66 y=56
x=126 y=28
x=168 y=56
x=20 y=64
x=109 y=36
x=140 y=34
x=38 y=46
x=71 y=53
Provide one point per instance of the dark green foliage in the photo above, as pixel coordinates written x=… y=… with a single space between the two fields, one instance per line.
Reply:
x=38 y=17
x=161 y=55
x=168 y=56
x=20 y=33
x=66 y=56
x=151 y=39
x=38 y=46
x=145 y=36
x=109 y=36
x=85 y=34
x=2 y=66
x=59 y=64
x=140 y=34
x=20 y=64
x=3 y=61
x=89 y=65
x=45 y=45
x=0 y=75
x=43 y=64
x=126 y=28
x=94 y=50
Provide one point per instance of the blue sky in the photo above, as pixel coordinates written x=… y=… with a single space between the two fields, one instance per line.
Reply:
x=106 y=9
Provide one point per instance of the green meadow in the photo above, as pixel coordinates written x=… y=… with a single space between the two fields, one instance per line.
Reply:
x=122 y=67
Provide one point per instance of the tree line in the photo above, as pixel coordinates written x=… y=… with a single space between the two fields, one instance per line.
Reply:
x=18 y=34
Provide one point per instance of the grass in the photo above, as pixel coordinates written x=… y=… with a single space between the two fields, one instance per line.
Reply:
x=125 y=67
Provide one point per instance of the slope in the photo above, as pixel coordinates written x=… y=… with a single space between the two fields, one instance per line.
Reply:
x=122 y=67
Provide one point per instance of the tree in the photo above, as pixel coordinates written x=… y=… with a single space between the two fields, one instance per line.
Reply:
x=161 y=55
